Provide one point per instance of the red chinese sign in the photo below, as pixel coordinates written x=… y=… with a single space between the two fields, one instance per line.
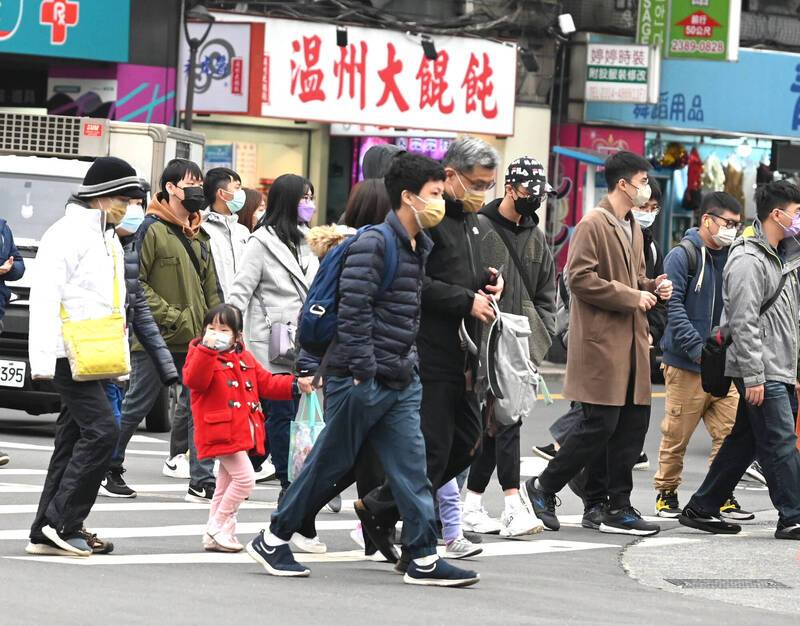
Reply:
x=384 y=78
x=699 y=24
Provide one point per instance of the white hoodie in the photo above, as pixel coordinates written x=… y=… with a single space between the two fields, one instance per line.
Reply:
x=74 y=265
x=228 y=238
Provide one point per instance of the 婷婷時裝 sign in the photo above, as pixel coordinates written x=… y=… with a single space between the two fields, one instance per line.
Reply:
x=621 y=73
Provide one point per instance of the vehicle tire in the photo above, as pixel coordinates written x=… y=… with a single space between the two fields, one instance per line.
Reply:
x=159 y=420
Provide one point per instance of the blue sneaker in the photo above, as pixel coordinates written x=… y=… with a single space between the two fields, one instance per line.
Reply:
x=540 y=503
x=439 y=574
x=277 y=560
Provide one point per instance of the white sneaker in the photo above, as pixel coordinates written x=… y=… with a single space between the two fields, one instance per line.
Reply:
x=756 y=473
x=222 y=539
x=176 y=467
x=479 y=521
x=461 y=548
x=519 y=521
x=304 y=544
x=265 y=473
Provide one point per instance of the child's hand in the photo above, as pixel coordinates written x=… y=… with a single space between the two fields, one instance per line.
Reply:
x=305 y=384
x=210 y=338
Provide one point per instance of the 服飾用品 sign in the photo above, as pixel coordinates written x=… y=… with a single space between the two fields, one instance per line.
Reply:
x=621 y=73
x=691 y=29
x=383 y=78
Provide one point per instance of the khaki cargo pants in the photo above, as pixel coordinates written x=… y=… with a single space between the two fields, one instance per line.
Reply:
x=686 y=405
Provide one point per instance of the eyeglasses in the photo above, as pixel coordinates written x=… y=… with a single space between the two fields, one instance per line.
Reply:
x=728 y=223
x=308 y=197
x=477 y=185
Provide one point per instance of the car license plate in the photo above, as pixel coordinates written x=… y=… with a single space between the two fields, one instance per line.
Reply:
x=12 y=373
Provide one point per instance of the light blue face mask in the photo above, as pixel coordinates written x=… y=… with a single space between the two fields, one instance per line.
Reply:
x=133 y=218
x=237 y=202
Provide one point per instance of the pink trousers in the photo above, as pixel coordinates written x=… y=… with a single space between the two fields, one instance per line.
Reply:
x=234 y=484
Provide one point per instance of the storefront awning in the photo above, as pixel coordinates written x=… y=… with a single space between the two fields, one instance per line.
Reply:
x=584 y=155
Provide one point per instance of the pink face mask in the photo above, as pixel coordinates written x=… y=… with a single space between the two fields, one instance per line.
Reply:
x=794 y=229
x=305 y=210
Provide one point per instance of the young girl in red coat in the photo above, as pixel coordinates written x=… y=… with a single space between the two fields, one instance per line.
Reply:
x=227 y=384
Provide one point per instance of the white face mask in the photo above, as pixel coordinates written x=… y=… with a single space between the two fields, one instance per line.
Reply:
x=645 y=218
x=724 y=236
x=642 y=194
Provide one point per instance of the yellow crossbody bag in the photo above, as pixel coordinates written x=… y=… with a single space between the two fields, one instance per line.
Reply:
x=98 y=348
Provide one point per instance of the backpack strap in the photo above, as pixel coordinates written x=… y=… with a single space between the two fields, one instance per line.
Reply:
x=765 y=307
x=512 y=252
x=691 y=256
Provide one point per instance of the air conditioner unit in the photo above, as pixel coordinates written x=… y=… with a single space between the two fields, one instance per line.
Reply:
x=53 y=135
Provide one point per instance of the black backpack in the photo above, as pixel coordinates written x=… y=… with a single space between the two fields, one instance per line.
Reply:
x=715 y=351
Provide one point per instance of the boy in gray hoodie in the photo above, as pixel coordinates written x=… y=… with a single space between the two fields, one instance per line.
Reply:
x=762 y=360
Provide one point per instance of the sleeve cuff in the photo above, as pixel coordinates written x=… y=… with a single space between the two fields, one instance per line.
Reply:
x=753 y=381
x=696 y=352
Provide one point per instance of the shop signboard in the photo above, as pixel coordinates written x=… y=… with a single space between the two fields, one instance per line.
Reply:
x=78 y=29
x=691 y=29
x=383 y=78
x=759 y=95
x=222 y=68
x=621 y=73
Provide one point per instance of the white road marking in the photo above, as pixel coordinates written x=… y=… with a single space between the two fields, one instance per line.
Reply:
x=500 y=548
x=13 y=445
x=146 y=439
x=18 y=509
x=140 y=489
x=22 y=472
x=531 y=465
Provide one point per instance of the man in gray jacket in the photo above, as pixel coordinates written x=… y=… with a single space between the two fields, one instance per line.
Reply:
x=223 y=191
x=762 y=360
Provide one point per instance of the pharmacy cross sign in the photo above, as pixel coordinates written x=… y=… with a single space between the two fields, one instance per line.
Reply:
x=59 y=15
x=699 y=24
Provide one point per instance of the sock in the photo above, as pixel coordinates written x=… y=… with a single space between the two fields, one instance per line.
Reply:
x=513 y=502
x=472 y=501
x=273 y=541
x=426 y=560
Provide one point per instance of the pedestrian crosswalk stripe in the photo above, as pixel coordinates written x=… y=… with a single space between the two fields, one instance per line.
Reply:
x=144 y=490
x=499 y=548
x=18 y=471
x=146 y=439
x=133 y=507
x=13 y=445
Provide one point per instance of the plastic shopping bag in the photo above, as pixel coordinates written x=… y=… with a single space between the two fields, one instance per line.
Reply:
x=304 y=433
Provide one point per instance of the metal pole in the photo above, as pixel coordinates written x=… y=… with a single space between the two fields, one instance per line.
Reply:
x=187 y=116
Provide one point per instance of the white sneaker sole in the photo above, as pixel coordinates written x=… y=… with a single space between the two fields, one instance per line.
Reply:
x=52 y=535
x=604 y=528
x=668 y=514
x=212 y=545
x=42 y=549
x=481 y=530
x=531 y=531
x=439 y=582
x=165 y=471
x=462 y=555
x=756 y=476
x=541 y=454
x=190 y=498
x=739 y=516
x=642 y=466
x=271 y=570
x=298 y=542
x=107 y=494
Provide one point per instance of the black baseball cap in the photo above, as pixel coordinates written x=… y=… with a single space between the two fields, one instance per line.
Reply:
x=529 y=173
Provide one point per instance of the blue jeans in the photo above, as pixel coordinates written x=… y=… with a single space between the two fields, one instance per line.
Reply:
x=766 y=432
x=280 y=415
x=389 y=420
x=115 y=395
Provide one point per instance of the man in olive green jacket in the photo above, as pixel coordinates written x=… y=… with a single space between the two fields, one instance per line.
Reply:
x=177 y=274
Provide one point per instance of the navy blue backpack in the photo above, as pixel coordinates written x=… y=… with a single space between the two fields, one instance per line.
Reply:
x=319 y=316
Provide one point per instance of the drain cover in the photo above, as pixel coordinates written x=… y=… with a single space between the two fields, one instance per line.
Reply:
x=727 y=583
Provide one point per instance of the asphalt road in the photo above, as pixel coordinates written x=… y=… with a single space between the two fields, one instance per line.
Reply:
x=159 y=572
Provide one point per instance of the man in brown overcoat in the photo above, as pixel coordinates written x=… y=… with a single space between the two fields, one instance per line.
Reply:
x=608 y=363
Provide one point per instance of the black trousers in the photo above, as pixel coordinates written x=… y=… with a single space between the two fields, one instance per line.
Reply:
x=450 y=419
x=86 y=435
x=608 y=440
x=499 y=450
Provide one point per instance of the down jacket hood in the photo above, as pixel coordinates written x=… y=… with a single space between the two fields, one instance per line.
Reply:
x=160 y=208
x=323 y=239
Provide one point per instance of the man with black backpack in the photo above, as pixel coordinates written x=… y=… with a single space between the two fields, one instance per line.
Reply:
x=695 y=268
x=511 y=238
x=761 y=299
x=373 y=390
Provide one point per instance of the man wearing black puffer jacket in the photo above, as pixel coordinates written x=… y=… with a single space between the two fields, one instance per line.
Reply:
x=146 y=330
x=455 y=300
x=373 y=393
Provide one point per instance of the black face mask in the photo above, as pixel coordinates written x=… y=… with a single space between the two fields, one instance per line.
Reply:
x=527 y=206
x=193 y=199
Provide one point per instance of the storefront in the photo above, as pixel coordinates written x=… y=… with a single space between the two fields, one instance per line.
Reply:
x=716 y=126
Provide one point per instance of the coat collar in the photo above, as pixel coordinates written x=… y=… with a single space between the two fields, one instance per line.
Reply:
x=281 y=253
x=424 y=243
x=80 y=211
x=607 y=210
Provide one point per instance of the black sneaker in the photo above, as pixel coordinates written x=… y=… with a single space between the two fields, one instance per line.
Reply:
x=642 y=463
x=379 y=535
x=4 y=458
x=756 y=472
x=200 y=493
x=667 y=503
x=547 y=452
x=732 y=510
x=277 y=560
x=787 y=531
x=542 y=504
x=707 y=522
x=593 y=516
x=113 y=486
x=440 y=574
x=627 y=521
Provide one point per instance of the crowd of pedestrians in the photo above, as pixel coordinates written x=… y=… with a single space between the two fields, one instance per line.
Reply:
x=212 y=279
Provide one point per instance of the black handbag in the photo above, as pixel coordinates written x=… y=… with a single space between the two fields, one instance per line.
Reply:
x=715 y=351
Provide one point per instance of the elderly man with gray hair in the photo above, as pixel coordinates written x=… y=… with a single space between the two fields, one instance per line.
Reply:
x=455 y=302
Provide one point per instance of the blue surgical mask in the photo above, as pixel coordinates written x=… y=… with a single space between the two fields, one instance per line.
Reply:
x=237 y=202
x=133 y=218
x=645 y=218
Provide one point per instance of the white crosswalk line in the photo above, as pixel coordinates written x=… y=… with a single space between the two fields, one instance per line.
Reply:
x=500 y=548
x=22 y=472
x=531 y=465
x=133 y=507
x=146 y=439
x=141 y=489
x=13 y=445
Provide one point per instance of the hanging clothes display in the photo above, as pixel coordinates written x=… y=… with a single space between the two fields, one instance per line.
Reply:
x=749 y=187
x=733 y=179
x=693 y=196
x=713 y=173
